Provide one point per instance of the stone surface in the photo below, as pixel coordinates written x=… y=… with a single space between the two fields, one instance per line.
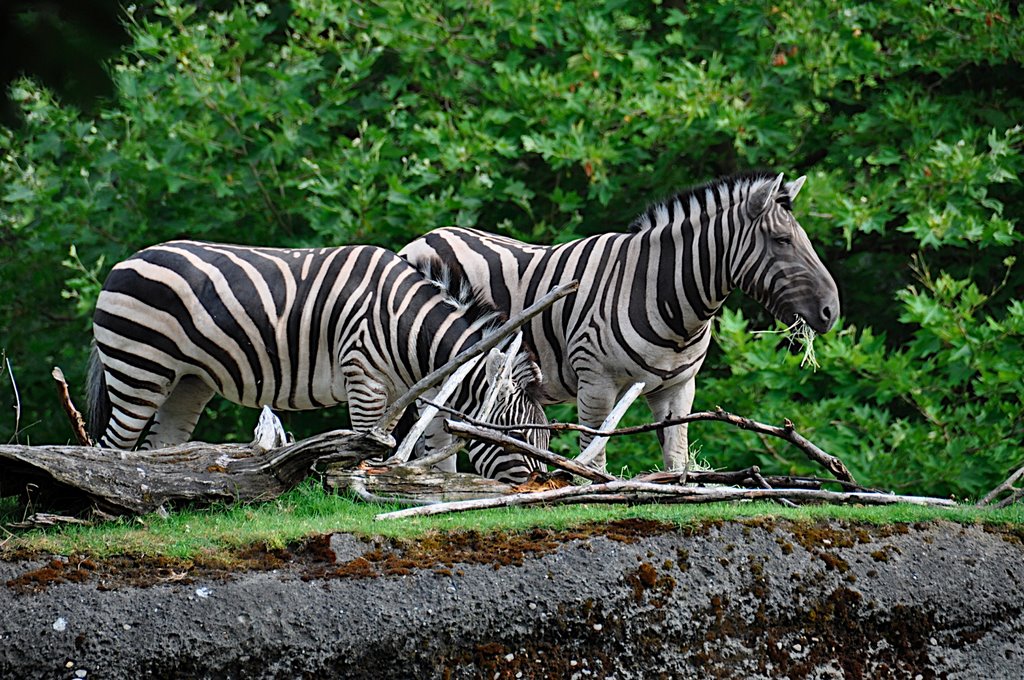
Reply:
x=758 y=599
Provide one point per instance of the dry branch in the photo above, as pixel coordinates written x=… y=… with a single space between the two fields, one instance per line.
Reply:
x=453 y=381
x=645 y=492
x=77 y=422
x=745 y=478
x=786 y=432
x=408 y=485
x=1014 y=493
x=41 y=520
x=595 y=450
x=512 y=444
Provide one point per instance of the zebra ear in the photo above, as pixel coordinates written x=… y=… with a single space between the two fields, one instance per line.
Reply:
x=793 y=188
x=762 y=197
x=495 y=364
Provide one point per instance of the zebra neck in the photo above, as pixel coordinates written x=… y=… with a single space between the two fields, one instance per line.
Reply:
x=689 y=259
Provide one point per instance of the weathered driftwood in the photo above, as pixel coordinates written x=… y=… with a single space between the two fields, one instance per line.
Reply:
x=485 y=434
x=407 y=485
x=645 y=492
x=1009 y=493
x=125 y=482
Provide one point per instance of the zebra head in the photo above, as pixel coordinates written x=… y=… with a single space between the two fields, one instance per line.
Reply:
x=779 y=267
x=517 y=380
x=514 y=387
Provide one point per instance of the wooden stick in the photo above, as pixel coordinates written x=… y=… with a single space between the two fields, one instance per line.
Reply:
x=513 y=444
x=74 y=415
x=1007 y=486
x=595 y=450
x=447 y=390
x=433 y=459
x=358 y=487
x=391 y=416
x=641 y=492
x=485 y=412
x=45 y=519
x=741 y=477
x=17 y=397
x=787 y=432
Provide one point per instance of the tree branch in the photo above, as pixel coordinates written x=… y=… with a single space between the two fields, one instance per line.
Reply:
x=595 y=449
x=1015 y=493
x=644 y=492
x=508 y=443
x=74 y=415
x=786 y=432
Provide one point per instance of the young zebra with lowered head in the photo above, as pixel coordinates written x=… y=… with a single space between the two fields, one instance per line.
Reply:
x=296 y=329
x=647 y=297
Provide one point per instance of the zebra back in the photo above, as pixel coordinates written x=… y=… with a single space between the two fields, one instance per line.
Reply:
x=647 y=296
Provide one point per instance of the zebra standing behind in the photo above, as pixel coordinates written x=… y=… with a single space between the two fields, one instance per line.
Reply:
x=646 y=298
x=294 y=329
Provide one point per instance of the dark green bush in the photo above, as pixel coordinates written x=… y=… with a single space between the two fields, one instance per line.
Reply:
x=335 y=122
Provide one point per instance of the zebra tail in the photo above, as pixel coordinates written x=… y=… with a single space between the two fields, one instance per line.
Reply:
x=97 y=398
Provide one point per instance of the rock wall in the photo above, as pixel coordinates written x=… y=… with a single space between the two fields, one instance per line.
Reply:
x=754 y=599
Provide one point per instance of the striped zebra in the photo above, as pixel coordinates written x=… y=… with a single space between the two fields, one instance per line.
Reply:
x=647 y=297
x=298 y=329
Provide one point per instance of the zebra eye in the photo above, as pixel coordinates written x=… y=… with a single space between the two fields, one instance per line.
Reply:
x=783 y=240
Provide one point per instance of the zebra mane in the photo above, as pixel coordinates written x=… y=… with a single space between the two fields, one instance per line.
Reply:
x=647 y=219
x=451 y=281
x=464 y=296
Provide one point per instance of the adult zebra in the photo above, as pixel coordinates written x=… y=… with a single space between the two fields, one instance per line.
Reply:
x=646 y=298
x=293 y=329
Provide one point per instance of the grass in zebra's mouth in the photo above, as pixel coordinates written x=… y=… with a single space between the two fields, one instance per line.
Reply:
x=799 y=332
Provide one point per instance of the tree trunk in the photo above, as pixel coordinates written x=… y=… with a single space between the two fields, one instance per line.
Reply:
x=137 y=482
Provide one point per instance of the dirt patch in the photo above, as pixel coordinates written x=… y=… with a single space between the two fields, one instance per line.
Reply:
x=314 y=558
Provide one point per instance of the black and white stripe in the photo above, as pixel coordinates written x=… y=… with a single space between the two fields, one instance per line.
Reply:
x=293 y=329
x=646 y=298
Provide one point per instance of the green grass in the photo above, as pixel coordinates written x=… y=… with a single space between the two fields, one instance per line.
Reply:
x=309 y=510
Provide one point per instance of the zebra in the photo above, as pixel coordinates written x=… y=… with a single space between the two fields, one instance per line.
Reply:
x=294 y=329
x=647 y=297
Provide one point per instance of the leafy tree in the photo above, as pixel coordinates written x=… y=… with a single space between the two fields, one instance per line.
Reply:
x=323 y=123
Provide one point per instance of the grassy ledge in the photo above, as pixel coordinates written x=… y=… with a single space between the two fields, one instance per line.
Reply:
x=309 y=510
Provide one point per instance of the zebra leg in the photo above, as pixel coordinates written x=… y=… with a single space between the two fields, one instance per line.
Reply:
x=132 y=403
x=593 y=404
x=367 y=397
x=435 y=439
x=673 y=403
x=177 y=416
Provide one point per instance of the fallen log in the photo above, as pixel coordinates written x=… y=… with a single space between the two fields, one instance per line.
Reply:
x=137 y=482
x=409 y=485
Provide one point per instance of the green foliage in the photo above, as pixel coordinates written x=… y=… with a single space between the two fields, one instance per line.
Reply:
x=324 y=123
